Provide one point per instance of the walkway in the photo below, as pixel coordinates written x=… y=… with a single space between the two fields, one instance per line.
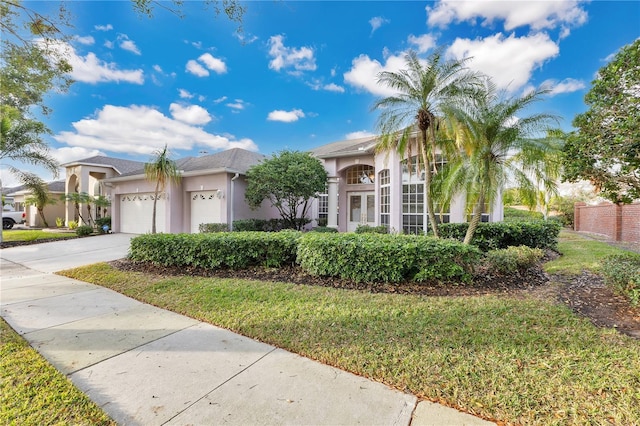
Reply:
x=148 y=366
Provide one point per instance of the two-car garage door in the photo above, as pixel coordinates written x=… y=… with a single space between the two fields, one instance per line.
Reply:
x=136 y=211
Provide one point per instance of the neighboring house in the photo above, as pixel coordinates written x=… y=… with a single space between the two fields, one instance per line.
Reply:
x=51 y=211
x=377 y=189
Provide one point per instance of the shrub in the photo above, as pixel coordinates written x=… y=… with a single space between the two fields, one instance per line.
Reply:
x=386 y=258
x=102 y=222
x=513 y=259
x=245 y=225
x=514 y=215
x=324 y=229
x=500 y=235
x=59 y=222
x=366 y=229
x=622 y=273
x=235 y=250
x=207 y=228
x=84 y=230
x=73 y=224
x=271 y=225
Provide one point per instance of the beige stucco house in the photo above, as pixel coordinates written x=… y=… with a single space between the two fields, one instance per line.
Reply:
x=51 y=211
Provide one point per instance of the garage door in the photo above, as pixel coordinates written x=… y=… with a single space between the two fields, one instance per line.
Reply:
x=205 y=208
x=136 y=211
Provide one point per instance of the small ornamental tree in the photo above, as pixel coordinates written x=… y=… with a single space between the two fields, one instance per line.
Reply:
x=289 y=180
x=162 y=170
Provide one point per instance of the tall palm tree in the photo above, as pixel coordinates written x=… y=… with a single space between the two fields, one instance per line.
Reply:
x=498 y=145
x=40 y=195
x=420 y=89
x=161 y=170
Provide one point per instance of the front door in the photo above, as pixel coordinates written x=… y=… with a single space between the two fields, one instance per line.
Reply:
x=362 y=210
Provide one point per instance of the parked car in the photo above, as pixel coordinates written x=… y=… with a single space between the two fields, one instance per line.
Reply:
x=10 y=218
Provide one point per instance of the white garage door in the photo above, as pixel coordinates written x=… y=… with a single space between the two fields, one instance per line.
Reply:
x=205 y=208
x=136 y=211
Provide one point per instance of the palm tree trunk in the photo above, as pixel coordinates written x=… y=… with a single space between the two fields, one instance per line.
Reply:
x=477 y=215
x=153 y=215
x=41 y=213
x=427 y=186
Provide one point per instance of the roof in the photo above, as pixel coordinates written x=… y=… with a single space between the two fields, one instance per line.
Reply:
x=351 y=147
x=55 y=186
x=121 y=165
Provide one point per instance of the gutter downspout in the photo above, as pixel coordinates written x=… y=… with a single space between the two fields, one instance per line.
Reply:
x=231 y=199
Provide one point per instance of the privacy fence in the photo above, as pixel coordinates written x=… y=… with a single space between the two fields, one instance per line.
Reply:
x=620 y=222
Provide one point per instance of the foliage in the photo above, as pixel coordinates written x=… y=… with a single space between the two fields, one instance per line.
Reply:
x=39 y=194
x=622 y=273
x=289 y=180
x=73 y=224
x=515 y=215
x=385 y=258
x=235 y=250
x=84 y=230
x=101 y=222
x=162 y=170
x=496 y=148
x=213 y=227
x=420 y=90
x=367 y=229
x=78 y=199
x=605 y=149
x=325 y=229
x=513 y=259
x=59 y=222
x=500 y=235
x=268 y=225
x=231 y=8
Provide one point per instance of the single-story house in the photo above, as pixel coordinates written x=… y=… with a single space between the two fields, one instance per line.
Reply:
x=364 y=187
x=51 y=211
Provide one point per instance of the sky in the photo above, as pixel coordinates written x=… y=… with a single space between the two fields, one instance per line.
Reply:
x=302 y=74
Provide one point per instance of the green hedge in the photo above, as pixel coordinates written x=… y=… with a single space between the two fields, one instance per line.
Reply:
x=367 y=229
x=622 y=273
x=386 y=258
x=235 y=250
x=513 y=259
x=207 y=228
x=500 y=235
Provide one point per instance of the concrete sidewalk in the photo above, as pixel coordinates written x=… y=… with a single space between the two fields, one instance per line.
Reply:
x=148 y=366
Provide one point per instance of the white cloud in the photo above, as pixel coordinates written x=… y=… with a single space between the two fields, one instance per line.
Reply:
x=90 y=69
x=220 y=100
x=299 y=59
x=332 y=87
x=107 y=27
x=364 y=73
x=568 y=85
x=190 y=114
x=67 y=154
x=245 y=38
x=196 y=69
x=376 y=22
x=359 y=134
x=140 y=129
x=86 y=40
x=238 y=104
x=214 y=64
x=184 y=94
x=108 y=44
x=285 y=116
x=536 y=14
x=509 y=61
x=423 y=43
x=127 y=44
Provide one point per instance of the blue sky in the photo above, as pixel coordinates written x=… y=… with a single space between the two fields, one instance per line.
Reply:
x=303 y=73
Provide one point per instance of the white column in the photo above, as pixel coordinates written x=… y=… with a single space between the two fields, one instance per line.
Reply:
x=332 y=202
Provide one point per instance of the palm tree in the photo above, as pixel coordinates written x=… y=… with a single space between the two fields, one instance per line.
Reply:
x=421 y=89
x=40 y=195
x=161 y=170
x=497 y=145
x=80 y=198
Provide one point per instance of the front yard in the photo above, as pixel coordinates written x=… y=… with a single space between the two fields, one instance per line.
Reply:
x=16 y=237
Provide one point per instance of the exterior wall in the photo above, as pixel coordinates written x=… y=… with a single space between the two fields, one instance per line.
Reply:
x=85 y=178
x=51 y=212
x=241 y=209
x=618 y=222
x=120 y=188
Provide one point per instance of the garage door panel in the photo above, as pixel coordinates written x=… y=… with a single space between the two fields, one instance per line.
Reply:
x=136 y=211
x=205 y=208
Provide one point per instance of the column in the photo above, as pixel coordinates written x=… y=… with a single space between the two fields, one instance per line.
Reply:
x=332 y=202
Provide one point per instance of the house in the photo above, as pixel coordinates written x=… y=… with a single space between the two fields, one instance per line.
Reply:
x=20 y=196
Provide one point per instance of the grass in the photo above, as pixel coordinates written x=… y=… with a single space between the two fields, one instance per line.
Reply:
x=35 y=393
x=522 y=361
x=579 y=253
x=32 y=235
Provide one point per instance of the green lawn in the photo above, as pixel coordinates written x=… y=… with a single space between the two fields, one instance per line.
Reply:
x=519 y=360
x=32 y=235
x=579 y=253
x=34 y=393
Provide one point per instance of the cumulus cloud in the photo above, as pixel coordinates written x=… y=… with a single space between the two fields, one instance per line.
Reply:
x=66 y=154
x=197 y=67
x=86 y=40
x=332 y=87
x=359 y=134
x=220 y=100
x=190 y=114
x=91 y=69
x=364 y=73
x=536 y=14
x=568 y=85
x=510 y=61
x=317 y=84
x=296 y=60
x=139 y=129
x=376 y=22
x=185 y=94
x=423 y=43
x=285 y=116
x=128 y=45
x=237 y=104
x=107 y=27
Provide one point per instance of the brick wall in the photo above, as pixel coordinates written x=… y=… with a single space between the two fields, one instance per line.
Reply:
x=618 y=222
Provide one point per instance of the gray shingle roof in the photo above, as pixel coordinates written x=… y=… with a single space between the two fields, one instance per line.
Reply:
x=237 y=159
x=121 y=165
x=341 y=148
x=55 y=186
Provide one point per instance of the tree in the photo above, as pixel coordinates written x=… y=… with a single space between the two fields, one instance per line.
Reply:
x=40 y=196
x=78 y=199
x=497 y=145
x=162 y=170
x=605 y=149
x=289 y=180
x=421 y=89
x=232 y=8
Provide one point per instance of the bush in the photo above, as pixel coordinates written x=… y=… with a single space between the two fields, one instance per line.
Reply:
x=84 y=230
x=513 y=259
x=386 y=258
x=324 y=229
x=73 y=224
x=622 y=273
x=366 y=229
x=235 y=250
x=207 y=228
x=101 y=222
x=59 y=222
x=246 y=225
x=500 y=235
x=515 y=215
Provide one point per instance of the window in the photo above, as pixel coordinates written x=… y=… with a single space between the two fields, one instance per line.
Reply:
x=360 y=174
x=385 y=197
x=323 y=207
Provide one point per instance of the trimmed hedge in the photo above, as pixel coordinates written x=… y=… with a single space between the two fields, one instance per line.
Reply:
x=386 y=258
x=207 y=228
x=235 y=250
x=367 y=229
x=513 y=259
x=622 y=273
x=500 y=235
x=84 y=230
x=270 y=225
